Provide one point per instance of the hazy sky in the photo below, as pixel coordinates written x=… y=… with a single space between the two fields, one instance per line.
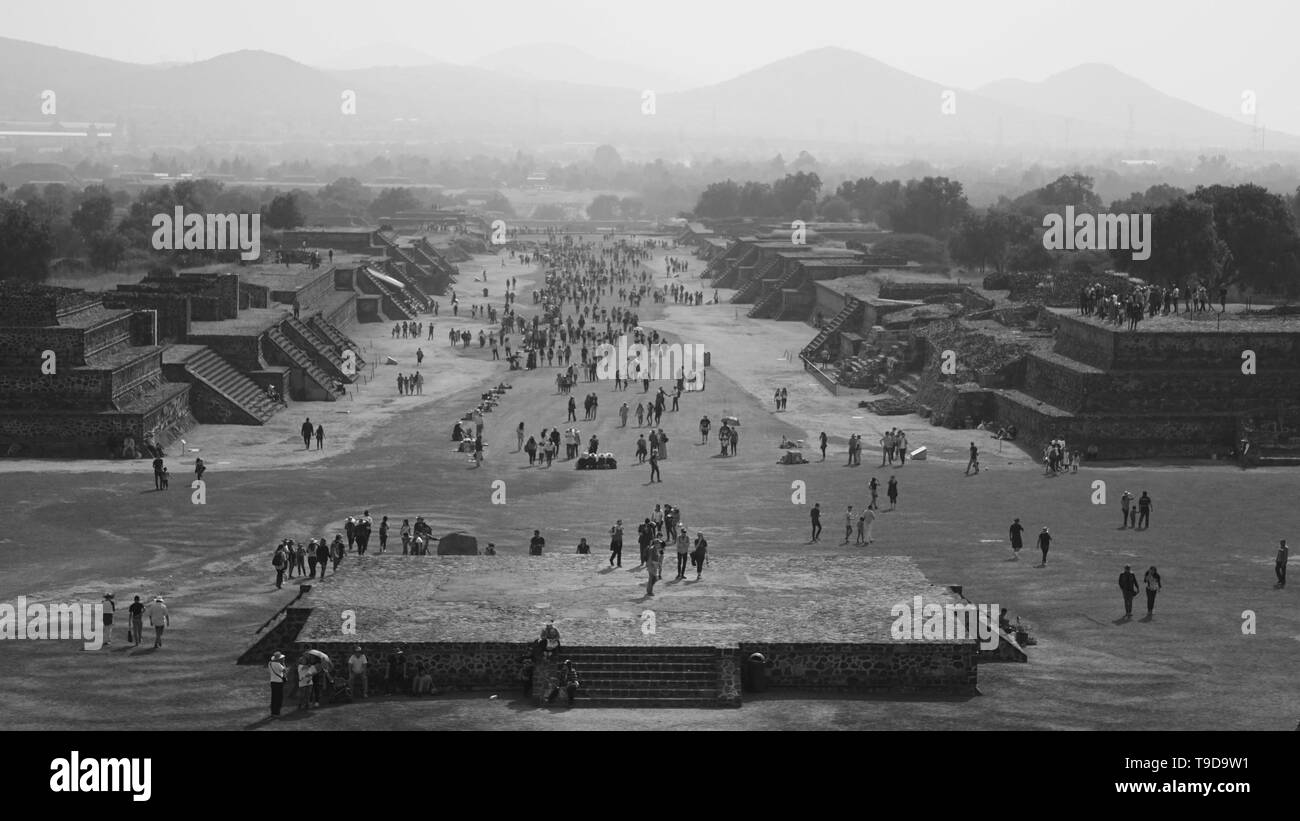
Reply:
x=1205 y=51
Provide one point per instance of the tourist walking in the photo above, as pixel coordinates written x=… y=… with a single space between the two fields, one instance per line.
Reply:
x=135 y=613
x=683 y=552
x=307 y=430
x=1128 y=588
x=974 y=459
x=654 y=467
x=892 y=493
x=1044 y=544
x=874 y=486
x=280 y=562
x=1017 y=531
x=159 y=619
x=1125 y=502
x=1151 y=580
x=276 y=668
x=358 y=673
x=848 y=524
x=1279 y=566
x=616 y=544
x=816 y=515
x=199 y=468
x=822 y=440
x=701 y=554
x=320 y=437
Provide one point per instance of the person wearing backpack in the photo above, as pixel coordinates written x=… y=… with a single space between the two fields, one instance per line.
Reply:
x=279 y=561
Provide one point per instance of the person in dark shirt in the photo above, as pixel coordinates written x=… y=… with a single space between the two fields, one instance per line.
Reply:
x=1144 y=511
x=974 y=459
x=1017 y=530
x=1128 y=588
x=307 y=430
x=157 y=473
x=136 y=611
x=1044 y=544
x=536 y=544
x=816 y=515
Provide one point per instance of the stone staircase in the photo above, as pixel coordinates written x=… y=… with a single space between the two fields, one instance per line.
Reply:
x=750 y=291
x=301 y=360
x=645 y=677
x=399 y=304
x=853 y=307
x=320 y=349
x=770 y=302
x=328 y=330
x=417 y=294
x=201 y=364
x=731 y=270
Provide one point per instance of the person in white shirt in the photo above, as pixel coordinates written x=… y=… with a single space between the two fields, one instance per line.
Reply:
x=357 y=667
x=277 y=671
x=159 y=618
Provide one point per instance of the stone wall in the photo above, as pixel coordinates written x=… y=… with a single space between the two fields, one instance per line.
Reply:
x=253 y=296
x=21 y=347
x=107 y=337
x=902 y=668
x=81 y=435
x=29 y=304
x=68 y=389
x=368 y=309
x=174 y=310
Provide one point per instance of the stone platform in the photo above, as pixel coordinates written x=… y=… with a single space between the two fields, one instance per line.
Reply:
x=817 y=599
x=822 y=622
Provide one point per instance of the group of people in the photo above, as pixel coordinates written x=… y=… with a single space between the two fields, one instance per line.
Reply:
x=312 y=678
x=1057 y=458
x=1017 y=533
x=1113 y=306
x=137 y=611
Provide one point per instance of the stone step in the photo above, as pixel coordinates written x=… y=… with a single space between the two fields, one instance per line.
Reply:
x=301 y=360
x=659 y=691
x=640 y=680
x=210 y=368
x=638 y=703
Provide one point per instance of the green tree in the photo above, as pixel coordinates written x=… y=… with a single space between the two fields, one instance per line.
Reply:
x=794 y=189
x=25 y=244
x=1259 y=231
x=933 y=206
x=392 y=201
x=836 y=209
x=106 y=250
x=283 y=213
x=914 y=247
x=93 y=215
x=603 y=207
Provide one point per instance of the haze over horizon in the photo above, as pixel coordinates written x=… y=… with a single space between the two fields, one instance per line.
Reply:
x=1206 y=52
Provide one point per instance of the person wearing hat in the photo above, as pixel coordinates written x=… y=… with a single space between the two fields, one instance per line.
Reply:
x=568 y=681
x=110 y=607
x=358 y=667
x=1044 y=544
x=159 y=618
x=277 y=670
x=136 y=630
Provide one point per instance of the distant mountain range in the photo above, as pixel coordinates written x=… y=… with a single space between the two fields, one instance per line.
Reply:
x=542 y=94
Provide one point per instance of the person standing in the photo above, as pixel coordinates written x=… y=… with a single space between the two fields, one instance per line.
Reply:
x=822 y=440
x=337 y=554
x=862 y=526
x=383 y=535
x=358 y=672
x=616 y=544
x=1125 y=502
x=322 y=555
x=1128 y=588
x=1279 y=566
x=406 y=536
x=653 y=569
x=306 y=682
x=110 y=608
x=683 y=551
x=654 y=467
x=1152 y=582
x=276 y=668
x=1044 y=544
x=159 y=618
x=735 y=439
x=136 y=615
x=1017 y=532
x=307 y=430
x=870 y=516
x=974 y=459
x=279 y=561
x=1144 y=511
x=848 y=524
x=320 y=437
x=875 y=494
x=892 y=493
x=199 y=468
x=536 y=544
x=816 y=515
